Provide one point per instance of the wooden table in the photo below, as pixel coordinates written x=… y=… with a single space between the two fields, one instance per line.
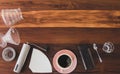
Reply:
x=65 y=24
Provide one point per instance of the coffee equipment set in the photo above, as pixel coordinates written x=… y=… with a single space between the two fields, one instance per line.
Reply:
x=64 y=61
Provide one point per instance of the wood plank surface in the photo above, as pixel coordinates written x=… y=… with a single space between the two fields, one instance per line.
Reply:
x=65 y=24
x=110 y=63
x=59 y=38
x=28 y=5
x=72 y=18
x=40 y=13
x=67 y=35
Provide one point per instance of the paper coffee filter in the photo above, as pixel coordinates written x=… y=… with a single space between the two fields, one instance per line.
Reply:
x=39 y=62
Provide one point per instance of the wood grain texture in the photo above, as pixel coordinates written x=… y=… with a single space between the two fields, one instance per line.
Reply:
x=67 y=13
x=71 y=18
x=67 y=35
x=59 y=38
x=65 y=24
x=110 y=63
x=28 y=5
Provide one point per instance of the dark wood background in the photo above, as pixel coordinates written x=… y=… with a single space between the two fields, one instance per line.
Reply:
x=65 y=24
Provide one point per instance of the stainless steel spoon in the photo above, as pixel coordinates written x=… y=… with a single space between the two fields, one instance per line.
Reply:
x=96 y=49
